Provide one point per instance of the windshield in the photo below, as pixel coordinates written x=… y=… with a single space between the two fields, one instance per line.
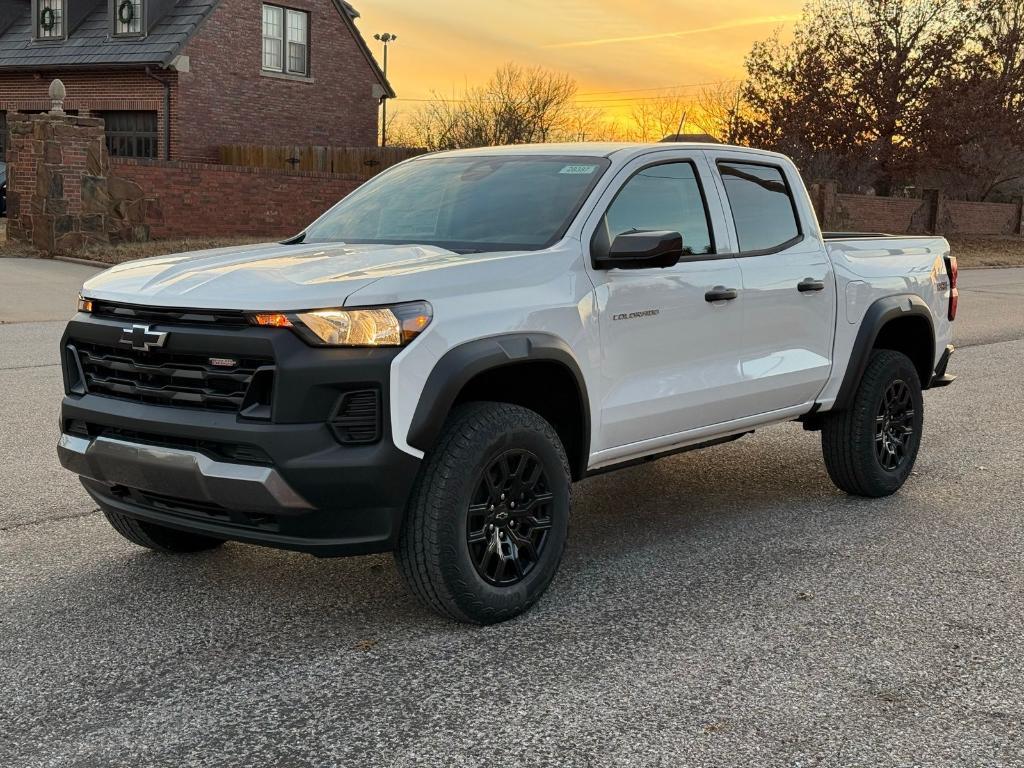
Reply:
x=466 y=204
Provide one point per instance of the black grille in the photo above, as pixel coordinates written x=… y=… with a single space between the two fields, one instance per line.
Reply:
x=220 y=317
x=167 y=378
x=356 y=418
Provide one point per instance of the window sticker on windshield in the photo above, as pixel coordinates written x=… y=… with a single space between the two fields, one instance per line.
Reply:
x=580 y=170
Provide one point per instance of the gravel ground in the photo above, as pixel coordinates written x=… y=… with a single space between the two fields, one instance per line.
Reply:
x=721 y=608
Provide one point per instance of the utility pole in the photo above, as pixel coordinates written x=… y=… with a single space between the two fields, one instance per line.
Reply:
x=384 y=37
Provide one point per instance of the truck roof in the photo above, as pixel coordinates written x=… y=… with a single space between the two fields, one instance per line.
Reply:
x=596 y=149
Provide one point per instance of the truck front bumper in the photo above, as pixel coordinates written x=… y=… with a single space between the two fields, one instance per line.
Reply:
x=311 y=495
x=285 y=478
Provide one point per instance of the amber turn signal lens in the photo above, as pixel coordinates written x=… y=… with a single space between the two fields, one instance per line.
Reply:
x=84 y=305
x=272 y=319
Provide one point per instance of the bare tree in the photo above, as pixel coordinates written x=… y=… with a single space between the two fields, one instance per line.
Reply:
x=719 y=112
x=973 y=134
x=652 y=119
x=517 y=105
x=856 y=81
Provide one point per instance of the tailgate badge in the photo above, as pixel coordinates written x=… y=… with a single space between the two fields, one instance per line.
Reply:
x=140 y=337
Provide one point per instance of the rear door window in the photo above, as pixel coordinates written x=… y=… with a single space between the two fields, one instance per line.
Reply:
x=762 y=206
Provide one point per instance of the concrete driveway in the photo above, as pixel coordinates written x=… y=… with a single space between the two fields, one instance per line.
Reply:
x=722 y=608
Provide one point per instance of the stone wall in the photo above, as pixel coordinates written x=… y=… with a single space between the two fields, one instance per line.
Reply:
x=61 y=195
x=65 y=192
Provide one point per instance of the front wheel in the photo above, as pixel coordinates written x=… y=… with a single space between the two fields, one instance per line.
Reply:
x=488 y=518
x=870 y=448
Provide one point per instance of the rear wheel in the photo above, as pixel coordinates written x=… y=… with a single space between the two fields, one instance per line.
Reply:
x=159 y=538
x=870 y=448
x=488 y=519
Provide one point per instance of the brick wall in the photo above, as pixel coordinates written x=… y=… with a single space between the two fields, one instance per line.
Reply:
x=969 y=218
x=95 y=91
x=881 y=214
x=208 y=200
x=228 y=100
x=899 y=216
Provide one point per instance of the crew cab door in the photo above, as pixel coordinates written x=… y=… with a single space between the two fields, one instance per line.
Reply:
x=789 y=292
x=668 y=362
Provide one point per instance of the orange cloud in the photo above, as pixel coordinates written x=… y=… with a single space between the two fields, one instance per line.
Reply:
x=735 y=24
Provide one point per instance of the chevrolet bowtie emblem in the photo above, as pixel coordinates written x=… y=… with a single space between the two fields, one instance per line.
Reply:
x=141 y=338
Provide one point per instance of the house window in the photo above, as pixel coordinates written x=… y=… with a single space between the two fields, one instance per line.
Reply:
x=285 y=40
x=3 y=134
x=50 y=19
x=127 y=17
x=130 y=134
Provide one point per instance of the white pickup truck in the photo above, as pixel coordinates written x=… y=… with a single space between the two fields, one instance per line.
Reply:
x=428 y=367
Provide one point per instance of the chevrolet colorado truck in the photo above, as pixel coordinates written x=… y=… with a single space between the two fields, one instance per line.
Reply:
x=430 y=365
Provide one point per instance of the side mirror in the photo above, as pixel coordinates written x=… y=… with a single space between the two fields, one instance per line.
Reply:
x=642 y=250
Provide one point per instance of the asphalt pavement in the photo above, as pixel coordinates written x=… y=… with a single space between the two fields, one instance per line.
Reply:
x=722 y=608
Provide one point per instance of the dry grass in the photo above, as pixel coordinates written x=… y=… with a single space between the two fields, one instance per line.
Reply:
x=115 y=254
x=987 y=250
x=970 y=250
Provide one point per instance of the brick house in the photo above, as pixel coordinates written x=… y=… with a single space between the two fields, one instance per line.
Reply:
x=175 y=79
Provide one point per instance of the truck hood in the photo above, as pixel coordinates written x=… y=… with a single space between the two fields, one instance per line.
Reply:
x=268 y=276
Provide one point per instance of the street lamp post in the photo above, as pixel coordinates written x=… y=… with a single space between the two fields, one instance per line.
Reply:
x=385 y=37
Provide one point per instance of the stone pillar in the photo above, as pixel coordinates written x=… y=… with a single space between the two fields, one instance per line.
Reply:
x=823 y=196
x=58 y=167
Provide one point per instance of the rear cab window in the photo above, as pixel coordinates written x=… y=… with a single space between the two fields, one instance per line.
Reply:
x=762 y=204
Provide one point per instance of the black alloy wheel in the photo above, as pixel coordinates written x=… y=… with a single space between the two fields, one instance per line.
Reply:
x=488 y=518
x=509 y=518
x=870 y=445
x=894 y=426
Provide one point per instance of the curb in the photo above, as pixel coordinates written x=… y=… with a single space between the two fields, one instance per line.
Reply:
x=83 y=262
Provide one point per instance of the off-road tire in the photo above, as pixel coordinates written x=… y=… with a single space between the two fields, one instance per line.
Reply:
x=433 y=555
x=848 y=436
x=159 y=538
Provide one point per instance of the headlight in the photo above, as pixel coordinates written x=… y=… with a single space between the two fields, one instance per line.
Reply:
x=392 y=326
x=84 y=304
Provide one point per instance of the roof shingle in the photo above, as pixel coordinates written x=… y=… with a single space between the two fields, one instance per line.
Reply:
x=91 y=44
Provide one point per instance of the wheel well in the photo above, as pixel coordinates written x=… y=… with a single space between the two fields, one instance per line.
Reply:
x=543 y=386
x=913 y=337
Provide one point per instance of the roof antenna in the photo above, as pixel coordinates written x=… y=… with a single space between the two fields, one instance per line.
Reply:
x=682 y=122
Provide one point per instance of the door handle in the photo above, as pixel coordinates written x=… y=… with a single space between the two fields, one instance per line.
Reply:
x=720 y=293
x=809 y=284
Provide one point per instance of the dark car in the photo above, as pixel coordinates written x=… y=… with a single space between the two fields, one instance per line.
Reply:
x=3 y=188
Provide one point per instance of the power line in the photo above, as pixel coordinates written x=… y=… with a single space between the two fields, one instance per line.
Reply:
x=663 y=87
x=604 y=101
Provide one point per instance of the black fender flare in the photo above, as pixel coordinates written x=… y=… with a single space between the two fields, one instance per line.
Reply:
x=878 y=314
x=460 y=364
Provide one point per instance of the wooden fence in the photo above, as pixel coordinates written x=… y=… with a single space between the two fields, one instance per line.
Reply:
x=359 y=161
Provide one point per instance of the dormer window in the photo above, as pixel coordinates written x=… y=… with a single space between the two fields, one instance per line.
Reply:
x=50 y=19
x=127 y=18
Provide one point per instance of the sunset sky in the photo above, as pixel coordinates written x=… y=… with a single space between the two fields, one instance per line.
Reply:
x=607 y=45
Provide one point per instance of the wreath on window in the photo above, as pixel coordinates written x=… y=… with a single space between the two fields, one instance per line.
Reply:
x=47 y=19
x=126 y=12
